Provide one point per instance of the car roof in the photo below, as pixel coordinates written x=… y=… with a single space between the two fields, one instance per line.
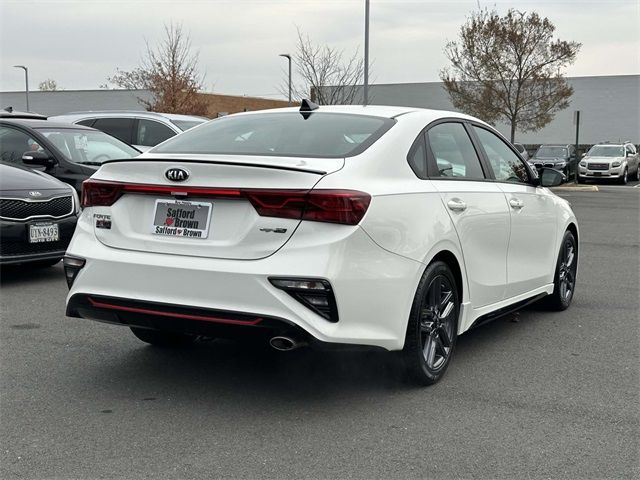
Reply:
x=385 y=111
x=133 y=113
x=38 y=124
x=11 y=113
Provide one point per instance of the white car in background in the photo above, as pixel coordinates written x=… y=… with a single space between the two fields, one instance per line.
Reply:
x=340 y=225
x=141 y=129
x=612 y=161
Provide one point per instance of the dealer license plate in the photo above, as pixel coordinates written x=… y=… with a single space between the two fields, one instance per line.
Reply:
x=179 y=218
x=43 y=232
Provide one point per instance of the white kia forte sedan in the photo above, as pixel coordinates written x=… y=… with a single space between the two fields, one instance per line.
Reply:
x=389 y=227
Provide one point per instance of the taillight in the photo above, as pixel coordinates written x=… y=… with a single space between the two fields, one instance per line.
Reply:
x=334 y=206
x=100 y=194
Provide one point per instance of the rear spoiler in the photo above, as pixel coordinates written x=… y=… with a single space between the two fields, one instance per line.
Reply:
x=220 y=162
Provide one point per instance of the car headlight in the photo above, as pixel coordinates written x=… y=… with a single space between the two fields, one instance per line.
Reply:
x=560 y=164
x=616 y=164
x=583 y=164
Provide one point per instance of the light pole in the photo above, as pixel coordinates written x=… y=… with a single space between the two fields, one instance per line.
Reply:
x=26 y=81
x=366 y=52
x=288 y=57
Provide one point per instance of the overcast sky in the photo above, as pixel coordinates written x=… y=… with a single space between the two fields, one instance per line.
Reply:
x=80 y=43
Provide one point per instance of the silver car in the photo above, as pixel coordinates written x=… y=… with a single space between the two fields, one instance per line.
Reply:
x=614 y=161
x=141 y=129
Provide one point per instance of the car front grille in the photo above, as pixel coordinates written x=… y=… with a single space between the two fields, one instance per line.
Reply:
x=23 y=247
x=598 y=166
x=15 y=209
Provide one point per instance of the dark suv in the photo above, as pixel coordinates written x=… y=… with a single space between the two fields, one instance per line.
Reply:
x=558 y=157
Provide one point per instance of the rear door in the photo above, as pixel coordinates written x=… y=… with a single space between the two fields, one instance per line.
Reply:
x=532 y=252
x=211 y=213
x=476 y=206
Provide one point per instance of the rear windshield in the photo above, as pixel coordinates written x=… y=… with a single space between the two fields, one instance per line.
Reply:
x=320 y=135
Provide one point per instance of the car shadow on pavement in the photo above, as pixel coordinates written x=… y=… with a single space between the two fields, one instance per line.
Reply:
x=13 y=274
x=245 y=372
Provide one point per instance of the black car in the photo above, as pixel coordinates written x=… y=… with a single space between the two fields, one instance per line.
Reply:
x=558 y=157
x=38 y=215
x=71 y=153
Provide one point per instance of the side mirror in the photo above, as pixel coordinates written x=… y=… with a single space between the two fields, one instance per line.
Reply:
x=583 y=155
x=38 y=159
x=551 y=178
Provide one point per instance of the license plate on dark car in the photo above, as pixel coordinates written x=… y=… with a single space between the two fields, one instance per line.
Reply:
x=178 y=218
x=43 y=232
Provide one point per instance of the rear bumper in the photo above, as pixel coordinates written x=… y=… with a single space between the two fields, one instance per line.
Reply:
x=15 y=247
x=374 y=288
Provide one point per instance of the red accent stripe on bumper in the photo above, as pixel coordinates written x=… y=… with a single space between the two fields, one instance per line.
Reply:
x=185 y=316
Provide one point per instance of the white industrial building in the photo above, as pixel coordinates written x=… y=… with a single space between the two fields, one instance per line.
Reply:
x=609 y=106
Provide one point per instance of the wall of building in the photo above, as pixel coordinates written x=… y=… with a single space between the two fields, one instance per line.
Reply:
x=225 y=104
x=609 y=106
x=65 y=101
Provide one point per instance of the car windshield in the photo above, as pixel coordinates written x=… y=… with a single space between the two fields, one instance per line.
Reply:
x=606 y=151
x=87 y=147
x=551 y=152
x=318 y=135
x=187 y=124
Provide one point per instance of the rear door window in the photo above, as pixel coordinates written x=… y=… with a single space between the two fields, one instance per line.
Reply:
x=453 y=152
x=121 y=128
x=150 y=133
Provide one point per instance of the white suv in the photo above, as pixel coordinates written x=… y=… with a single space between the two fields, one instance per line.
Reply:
x=141 y=129
x=617 y=161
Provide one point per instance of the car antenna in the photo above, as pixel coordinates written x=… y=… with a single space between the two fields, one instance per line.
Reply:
x=8 y=109
x=307 y=107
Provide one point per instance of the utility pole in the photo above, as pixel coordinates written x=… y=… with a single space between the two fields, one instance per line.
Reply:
x=26 y=81
x=288 y=57
x=576 y=120
x=366 y=52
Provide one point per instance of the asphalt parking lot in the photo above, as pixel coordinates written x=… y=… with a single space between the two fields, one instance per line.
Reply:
x=533 y=395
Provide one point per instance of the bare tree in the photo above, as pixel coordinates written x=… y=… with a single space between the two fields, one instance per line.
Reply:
x=327 y=76
x=509 y=69
x=170 y=72
x=48 y=85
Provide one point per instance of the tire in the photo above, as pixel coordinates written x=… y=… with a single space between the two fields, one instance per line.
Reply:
x=564 y=279
x=625 y=177
x=433 y=326
x=636 y=176
x=581 y=180
x=163 y=339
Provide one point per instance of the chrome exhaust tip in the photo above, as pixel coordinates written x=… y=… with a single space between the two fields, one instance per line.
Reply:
x=284 y=344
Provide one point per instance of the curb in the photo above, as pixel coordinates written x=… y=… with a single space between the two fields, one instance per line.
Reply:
x=581 y=188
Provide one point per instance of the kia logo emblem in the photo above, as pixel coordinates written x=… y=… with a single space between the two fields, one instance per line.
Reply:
x=176 y=174
x=34 y=194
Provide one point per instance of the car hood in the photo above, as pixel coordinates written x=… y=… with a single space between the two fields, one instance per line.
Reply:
x=603 y=159
x=550 y=159
x=14 y=178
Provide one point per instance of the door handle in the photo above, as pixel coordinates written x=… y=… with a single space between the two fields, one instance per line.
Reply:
x=456 y=205
x=515 y=203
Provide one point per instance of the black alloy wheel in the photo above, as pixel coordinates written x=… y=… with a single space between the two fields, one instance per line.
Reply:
x=433 y=325
x=566 y=273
